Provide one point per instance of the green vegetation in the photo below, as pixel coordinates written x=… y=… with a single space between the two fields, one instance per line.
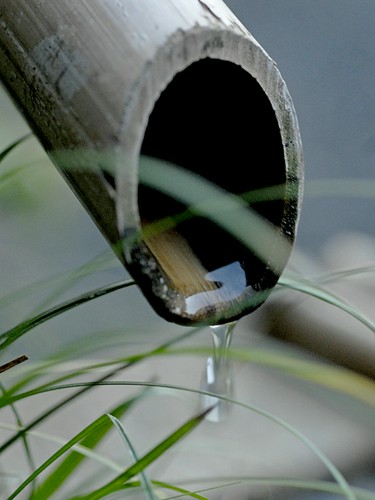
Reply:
x=80 y=465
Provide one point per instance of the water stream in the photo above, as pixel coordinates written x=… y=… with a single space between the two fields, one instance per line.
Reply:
x=218 y=377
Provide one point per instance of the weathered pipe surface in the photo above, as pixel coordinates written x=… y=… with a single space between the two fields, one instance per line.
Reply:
x=105 y=84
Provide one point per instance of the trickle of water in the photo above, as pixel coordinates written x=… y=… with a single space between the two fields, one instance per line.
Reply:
x=218 y=376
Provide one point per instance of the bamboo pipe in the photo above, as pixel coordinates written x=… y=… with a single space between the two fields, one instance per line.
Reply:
x=103 y=84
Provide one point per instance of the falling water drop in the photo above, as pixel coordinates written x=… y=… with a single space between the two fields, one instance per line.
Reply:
x=218 y=376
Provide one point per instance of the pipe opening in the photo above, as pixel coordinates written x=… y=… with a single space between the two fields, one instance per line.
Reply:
x=215 y=120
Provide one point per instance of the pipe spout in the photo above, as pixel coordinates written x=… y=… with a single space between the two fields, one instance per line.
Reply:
x=177 y=133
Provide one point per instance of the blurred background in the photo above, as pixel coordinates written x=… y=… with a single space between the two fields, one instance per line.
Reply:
x=325 y=51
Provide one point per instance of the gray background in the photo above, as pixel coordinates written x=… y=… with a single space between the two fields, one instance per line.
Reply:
x=325 y=50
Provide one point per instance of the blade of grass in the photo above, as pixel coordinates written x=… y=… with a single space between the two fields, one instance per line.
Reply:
x=86 y=452
x=25 y=441
x=70 y=464
x=150 y=457
x=16 y=332
x=301 y=484
x=5 y=152
x=183 y=491
x=346 y=273
x=92 y=428
x=309 y=288
x=143 y=477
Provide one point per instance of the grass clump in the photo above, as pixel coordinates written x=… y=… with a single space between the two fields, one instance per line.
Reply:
x=36 y=392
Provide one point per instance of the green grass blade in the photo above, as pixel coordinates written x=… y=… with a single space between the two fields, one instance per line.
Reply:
x=72 y=461
x=183 y=492
x=346 y=273
x=193 y=494
x=92 y=428
x=16 y=332
x=143 y=477
x=117 y=483
x=9 y=149
x=59 y=441
x=309 y=288
x=19 y=421
x=323 y=486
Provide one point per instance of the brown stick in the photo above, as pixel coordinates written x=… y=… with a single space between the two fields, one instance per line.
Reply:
x=14 y=362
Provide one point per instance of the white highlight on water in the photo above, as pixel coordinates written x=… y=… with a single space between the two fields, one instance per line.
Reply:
x=217 y=376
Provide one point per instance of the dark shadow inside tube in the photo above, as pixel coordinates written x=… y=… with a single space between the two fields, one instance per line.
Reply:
x=214 y=119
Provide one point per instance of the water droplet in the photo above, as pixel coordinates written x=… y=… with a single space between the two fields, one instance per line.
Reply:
x=218 y=376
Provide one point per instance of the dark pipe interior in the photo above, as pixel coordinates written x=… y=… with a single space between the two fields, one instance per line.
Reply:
x=214 y=119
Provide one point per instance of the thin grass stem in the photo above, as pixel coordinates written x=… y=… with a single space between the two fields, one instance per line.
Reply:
x=16 y=332
x=143 y=477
